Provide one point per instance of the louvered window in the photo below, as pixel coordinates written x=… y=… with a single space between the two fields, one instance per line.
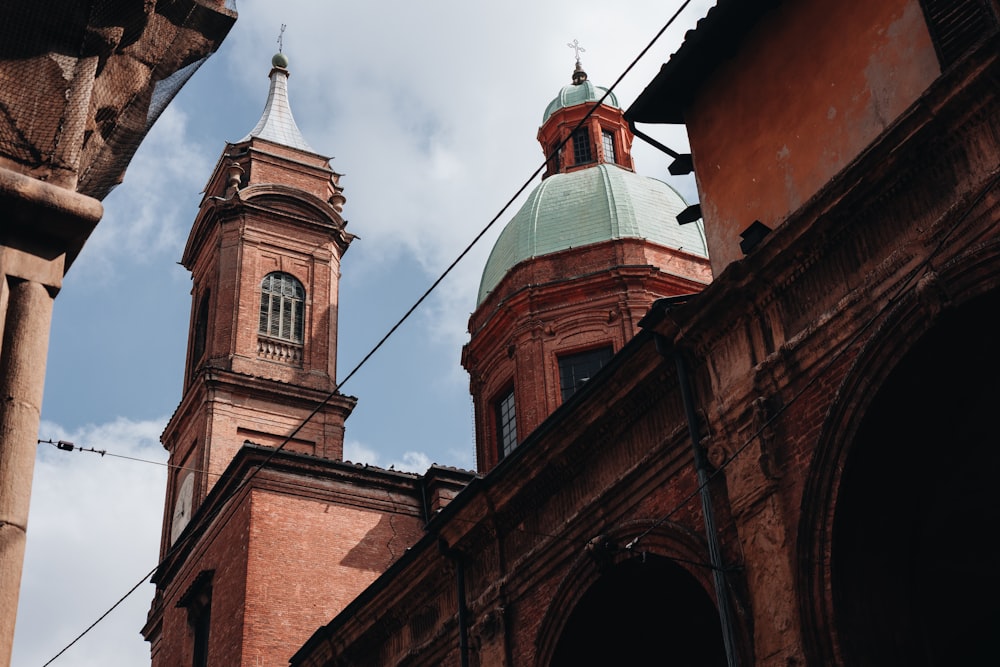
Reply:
x=956 y=25
x=282 y=307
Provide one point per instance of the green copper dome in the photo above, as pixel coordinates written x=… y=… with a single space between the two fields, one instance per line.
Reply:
x=602 y=203
x=574 y=94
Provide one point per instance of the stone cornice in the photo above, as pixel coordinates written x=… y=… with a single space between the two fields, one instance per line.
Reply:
x=260 y=468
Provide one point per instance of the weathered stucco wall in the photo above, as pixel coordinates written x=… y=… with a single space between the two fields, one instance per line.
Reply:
x=814 y=84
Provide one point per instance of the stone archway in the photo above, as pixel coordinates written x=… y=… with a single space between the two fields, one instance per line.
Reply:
x=642 y=611
x=911 y=557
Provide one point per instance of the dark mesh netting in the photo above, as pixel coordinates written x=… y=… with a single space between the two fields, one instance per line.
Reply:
x=82 y=82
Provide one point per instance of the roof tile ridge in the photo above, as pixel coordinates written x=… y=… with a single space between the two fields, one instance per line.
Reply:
x=536 y=204
x=611 y=200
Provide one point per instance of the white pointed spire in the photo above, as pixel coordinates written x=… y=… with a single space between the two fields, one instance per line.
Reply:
x=276 y=123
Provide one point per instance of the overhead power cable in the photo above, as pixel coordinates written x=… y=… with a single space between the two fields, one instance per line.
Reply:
x=181 y=542
x=66 y=445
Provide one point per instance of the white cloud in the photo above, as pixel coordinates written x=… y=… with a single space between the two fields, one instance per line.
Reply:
x=416 y=462
x=431 y=120
x=412 y=462
x=355 y=452
x=149 y=219
x=93 y=533
x=430 y=111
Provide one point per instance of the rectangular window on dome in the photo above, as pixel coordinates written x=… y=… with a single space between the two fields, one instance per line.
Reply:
x=555 y=153
x=506 y=423
x=576 y=369
x=581 y=146
x=608 y=141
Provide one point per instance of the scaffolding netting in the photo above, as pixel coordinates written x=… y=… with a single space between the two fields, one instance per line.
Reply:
x=81 y=83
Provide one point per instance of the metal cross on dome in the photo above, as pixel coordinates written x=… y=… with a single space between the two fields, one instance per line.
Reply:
x=281 y=36
x=575 y=45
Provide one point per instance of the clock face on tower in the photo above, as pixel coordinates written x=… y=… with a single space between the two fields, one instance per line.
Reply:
x=182 y=506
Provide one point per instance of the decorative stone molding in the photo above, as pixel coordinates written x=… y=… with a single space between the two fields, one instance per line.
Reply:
x=279 y=350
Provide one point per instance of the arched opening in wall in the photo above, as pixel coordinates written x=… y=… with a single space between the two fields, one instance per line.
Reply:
x=913 y=553
x=643 y=612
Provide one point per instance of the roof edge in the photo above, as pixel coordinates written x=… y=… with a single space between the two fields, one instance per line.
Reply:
x=714 y=40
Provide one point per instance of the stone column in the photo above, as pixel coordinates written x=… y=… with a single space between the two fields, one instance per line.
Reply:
x=43 y=228
x=22 y=378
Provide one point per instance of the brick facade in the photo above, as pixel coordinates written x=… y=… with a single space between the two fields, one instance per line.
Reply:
x=841 y=373
x=580 y=299
x=791 y=467
x=267 y=533
x=289 y=540
x=75 y=109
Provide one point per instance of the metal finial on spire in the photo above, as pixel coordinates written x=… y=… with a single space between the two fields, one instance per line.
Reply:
x=276 y=124
x=575 y=45
x=579 y=76
x=281 y=37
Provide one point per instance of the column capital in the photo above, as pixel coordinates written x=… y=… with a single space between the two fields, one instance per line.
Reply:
x=44 y=220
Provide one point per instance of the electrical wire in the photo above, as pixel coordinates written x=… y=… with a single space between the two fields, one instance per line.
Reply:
x=65 y=445
x=182 y=540
x=104 y=615
x=684 y=501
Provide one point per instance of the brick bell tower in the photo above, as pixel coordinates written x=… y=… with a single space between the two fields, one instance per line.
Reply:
x=267 y=533
x=264 y=254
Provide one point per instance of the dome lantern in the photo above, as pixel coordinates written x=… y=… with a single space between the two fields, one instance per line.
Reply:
x=575 y=269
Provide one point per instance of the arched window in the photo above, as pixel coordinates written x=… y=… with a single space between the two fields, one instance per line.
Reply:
x=282 y=305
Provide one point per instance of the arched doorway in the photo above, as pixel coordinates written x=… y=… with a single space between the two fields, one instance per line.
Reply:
x=643 y=611
x=913 y=556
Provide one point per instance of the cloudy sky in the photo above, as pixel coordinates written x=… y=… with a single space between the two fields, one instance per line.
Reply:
x=430 y=110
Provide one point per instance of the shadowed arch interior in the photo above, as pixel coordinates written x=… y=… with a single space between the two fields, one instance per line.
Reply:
x=913 y=555
x=643 y=611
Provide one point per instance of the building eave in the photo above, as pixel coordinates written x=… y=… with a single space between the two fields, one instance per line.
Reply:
x=714 y=40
